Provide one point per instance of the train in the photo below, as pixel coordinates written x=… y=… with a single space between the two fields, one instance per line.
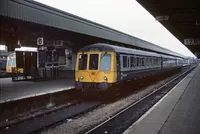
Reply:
x=99 y=66
x=11 y=65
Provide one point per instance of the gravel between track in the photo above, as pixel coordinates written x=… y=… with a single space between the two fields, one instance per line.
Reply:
x=83 y=122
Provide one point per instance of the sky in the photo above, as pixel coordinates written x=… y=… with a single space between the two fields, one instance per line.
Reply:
x=127 y=16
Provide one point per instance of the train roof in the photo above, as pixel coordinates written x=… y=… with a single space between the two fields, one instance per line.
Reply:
x=103 y=47
x=11 y=54
x=170 y=57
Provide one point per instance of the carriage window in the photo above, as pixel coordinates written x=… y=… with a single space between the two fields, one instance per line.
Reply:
x=14 y=62
x=94 y=62
x=158 y=61
x=82 y=62
x=9 y=62
x=132 y=61
x=128 y=61
x=138 y=61
x=148 y=61
x=145 y=61
x=142 y=61
x=125 y=60
x=105 y=62
x=152 y=61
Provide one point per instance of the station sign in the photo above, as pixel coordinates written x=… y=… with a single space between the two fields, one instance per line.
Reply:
x=162 y=18
x=42 y=48
x=40 y=41
x=57 y=43
x=192 y=41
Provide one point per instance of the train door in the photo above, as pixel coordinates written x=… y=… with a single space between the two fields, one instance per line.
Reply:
x=27 y=64
x=118 y=67
x=30 y=59
x=26 y=60
x=19 y=60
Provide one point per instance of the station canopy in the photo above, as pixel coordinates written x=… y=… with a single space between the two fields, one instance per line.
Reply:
x=42 y=15
x=180 y=17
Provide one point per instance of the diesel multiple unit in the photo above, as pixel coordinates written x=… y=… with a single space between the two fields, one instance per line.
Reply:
x=99 y=66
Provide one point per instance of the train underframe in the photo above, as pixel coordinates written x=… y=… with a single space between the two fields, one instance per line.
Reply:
x=94 y=88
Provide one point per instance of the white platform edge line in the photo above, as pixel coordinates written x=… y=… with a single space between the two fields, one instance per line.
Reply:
x=155 y=105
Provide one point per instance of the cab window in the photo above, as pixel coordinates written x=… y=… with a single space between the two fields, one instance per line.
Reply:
x=105 y=62
x=82 y=62
x=93 y=64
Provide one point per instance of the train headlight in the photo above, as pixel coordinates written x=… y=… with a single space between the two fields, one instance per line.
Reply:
x=105 y=78
x=81 y=77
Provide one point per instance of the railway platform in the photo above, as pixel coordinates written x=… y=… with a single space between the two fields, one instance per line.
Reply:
x=12 y=91
x=178 y=112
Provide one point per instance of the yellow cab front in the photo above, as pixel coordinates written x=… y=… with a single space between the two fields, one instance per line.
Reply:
x=95 y=70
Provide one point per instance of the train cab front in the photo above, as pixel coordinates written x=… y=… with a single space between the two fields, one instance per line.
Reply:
x=94 y=71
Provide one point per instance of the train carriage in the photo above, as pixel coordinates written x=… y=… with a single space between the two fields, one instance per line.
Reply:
x=101 y=65
x=11 y=65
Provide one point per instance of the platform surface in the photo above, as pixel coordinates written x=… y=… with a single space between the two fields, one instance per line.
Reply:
x=178 y=112
x=11 y=91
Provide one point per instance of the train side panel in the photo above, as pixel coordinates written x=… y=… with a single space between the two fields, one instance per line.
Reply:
x=124 y=64
x=133 y=69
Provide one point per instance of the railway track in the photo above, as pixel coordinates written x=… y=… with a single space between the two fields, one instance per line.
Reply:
x=120 y=121
x=9 y=123
x=37 y=123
